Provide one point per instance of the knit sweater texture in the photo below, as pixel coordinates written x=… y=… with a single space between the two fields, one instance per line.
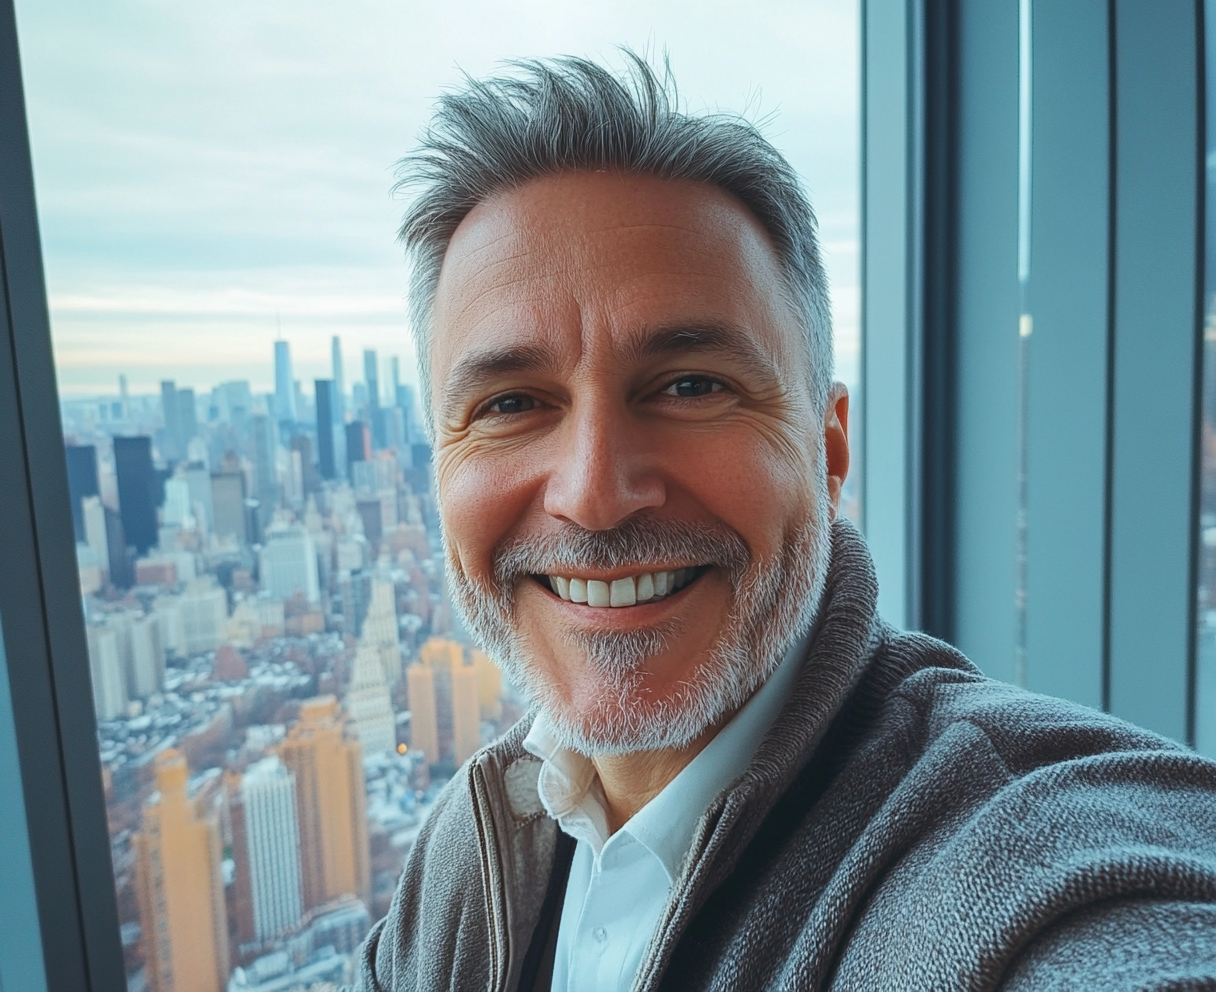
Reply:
x=906 y=824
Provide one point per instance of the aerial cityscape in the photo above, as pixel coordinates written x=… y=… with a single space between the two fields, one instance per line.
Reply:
x=281 y=685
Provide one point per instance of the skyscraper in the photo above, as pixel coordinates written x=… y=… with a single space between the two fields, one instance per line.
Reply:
x=82 y=481
x=367 y=702
x=284 y=385
x=264 y=451
x=424 y=721
x=105 y=667
x=326 y=412
x=330 y=804
x=170 y=408
x=289 y=563
x=94 y=515
x=380 y=627
x=339 y=382
x=228 y=502
x=137 y=496
x=272 y=845
x=179 y=887
x=204 y=612
x=371 y=376
x=187 y=420
x=358 y=445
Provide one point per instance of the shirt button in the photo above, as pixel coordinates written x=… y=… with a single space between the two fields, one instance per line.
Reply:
x=600 y=934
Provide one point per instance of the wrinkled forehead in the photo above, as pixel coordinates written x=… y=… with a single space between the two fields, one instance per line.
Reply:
x=609 y=257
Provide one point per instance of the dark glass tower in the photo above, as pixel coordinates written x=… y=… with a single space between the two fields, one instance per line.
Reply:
x=138 y=497
x=326 y=418
x=82 y=481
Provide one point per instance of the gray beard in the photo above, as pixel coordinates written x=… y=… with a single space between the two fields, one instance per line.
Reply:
x=774 y=603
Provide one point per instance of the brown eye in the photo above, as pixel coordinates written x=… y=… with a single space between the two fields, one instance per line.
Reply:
x=692 y=386
x=516 y=403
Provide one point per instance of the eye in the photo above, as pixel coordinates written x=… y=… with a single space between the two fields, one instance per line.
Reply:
x=512 y=403
x=691 y=386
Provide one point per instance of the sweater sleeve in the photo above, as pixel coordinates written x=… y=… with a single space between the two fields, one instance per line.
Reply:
x=1140 y=944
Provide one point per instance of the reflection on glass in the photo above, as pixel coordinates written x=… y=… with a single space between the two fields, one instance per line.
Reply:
x=1205 y=671
x=280 y=682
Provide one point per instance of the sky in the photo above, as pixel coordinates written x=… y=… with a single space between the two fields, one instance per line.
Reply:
x=212 y=175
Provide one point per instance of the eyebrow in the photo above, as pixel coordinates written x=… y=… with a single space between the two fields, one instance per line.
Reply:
x=475 y=370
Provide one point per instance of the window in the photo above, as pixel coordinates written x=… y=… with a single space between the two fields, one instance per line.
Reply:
x=276 y=671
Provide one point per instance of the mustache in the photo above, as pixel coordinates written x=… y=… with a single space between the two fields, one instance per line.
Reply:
x=636 y=542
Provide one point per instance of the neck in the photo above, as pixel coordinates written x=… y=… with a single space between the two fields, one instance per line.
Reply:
x=630 y=781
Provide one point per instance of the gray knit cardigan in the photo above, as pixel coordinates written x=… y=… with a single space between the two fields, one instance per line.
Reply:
x=907 y=824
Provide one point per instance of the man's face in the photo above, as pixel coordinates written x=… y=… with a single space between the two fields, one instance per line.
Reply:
x=623 y=417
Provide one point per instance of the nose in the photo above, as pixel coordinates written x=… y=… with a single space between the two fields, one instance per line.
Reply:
x=601 y=471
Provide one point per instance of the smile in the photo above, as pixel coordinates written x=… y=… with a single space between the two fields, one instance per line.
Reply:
x=647 y=587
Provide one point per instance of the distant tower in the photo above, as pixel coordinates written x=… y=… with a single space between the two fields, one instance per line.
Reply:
x=367 y=702
x=371 y=376
x=330 y=804
x=284 y=385
x=82 y=481
x=326 y=413
x=124 y=397
x=170 y=408
x=138 y=498
x=272 y=844
x=265 y=449
x=339 y=382
x=180 y=887
x=380 y=627
x=358 y=445
x=424 y=723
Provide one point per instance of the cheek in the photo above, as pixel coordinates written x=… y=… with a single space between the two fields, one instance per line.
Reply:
x=481 y=498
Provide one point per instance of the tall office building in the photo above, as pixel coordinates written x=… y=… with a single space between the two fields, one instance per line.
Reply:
x=371 y=377
x=284 y=385
x=466 y=712
x=424 y=722
x=301 y=447
x=187 y=420
x=138 y=498
x=93 y=514
x=228 y=504
x=272 y=846
x=122 y=560
x=380 y=627
x=170 y=408
x=82 y=481
x=106 y=669
x=265 y=450
x=179 y=886
x=339 y=382
x=289 y=563
x=358 y=445
x=326 y=412
x=124 y=397
x=330 y=804
x=367 y=702
x=489 y=684
x=204 y=615
x=198 y=481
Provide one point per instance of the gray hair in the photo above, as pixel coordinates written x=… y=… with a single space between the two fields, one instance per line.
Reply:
x=569 y=113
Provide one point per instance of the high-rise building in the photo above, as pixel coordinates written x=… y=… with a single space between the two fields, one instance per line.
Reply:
x=93 y=514
x=466 y=712
x=170 y=408
x=124 y=397
x=301 y=446
x=380 y=627
x=358 y=445
x=82 y=481
x=265 y=447
x=146 y=661
x=272 y=845
x=228 y=502
x=138 y=498
x=122 y=558
x=424 y=722
x=371 y=376
x=187 y=419
x=106 y=668
x=288 y=563
x=198 y=481
x=326 y=413
x=330 y=804
x=284 y=385
x=179 y=887
x=339 y=382
x=368 y=704
x=489 y=684
x=204 y=613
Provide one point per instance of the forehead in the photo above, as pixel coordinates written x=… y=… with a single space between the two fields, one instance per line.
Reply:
x=592 y=252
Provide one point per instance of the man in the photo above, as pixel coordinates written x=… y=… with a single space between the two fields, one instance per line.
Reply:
x=736 y=775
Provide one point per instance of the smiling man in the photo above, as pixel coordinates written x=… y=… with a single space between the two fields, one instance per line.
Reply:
x=735 y=774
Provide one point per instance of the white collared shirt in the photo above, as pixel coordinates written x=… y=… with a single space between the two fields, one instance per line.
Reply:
x=619 y=885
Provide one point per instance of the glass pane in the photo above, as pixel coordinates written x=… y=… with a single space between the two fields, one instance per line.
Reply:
x=1205 y=670
x=280 y=681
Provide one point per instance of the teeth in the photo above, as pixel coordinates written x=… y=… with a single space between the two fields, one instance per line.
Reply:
x=644 y=588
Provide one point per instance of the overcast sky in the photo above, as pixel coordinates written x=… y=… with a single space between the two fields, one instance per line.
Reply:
x=208 y=173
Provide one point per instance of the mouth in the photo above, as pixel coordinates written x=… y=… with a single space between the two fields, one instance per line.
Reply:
x=629 y=590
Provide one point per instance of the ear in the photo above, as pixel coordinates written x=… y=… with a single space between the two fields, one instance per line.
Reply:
x=836 y=443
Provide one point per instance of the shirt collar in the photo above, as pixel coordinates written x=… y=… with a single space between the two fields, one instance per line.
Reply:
x=571 y=793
